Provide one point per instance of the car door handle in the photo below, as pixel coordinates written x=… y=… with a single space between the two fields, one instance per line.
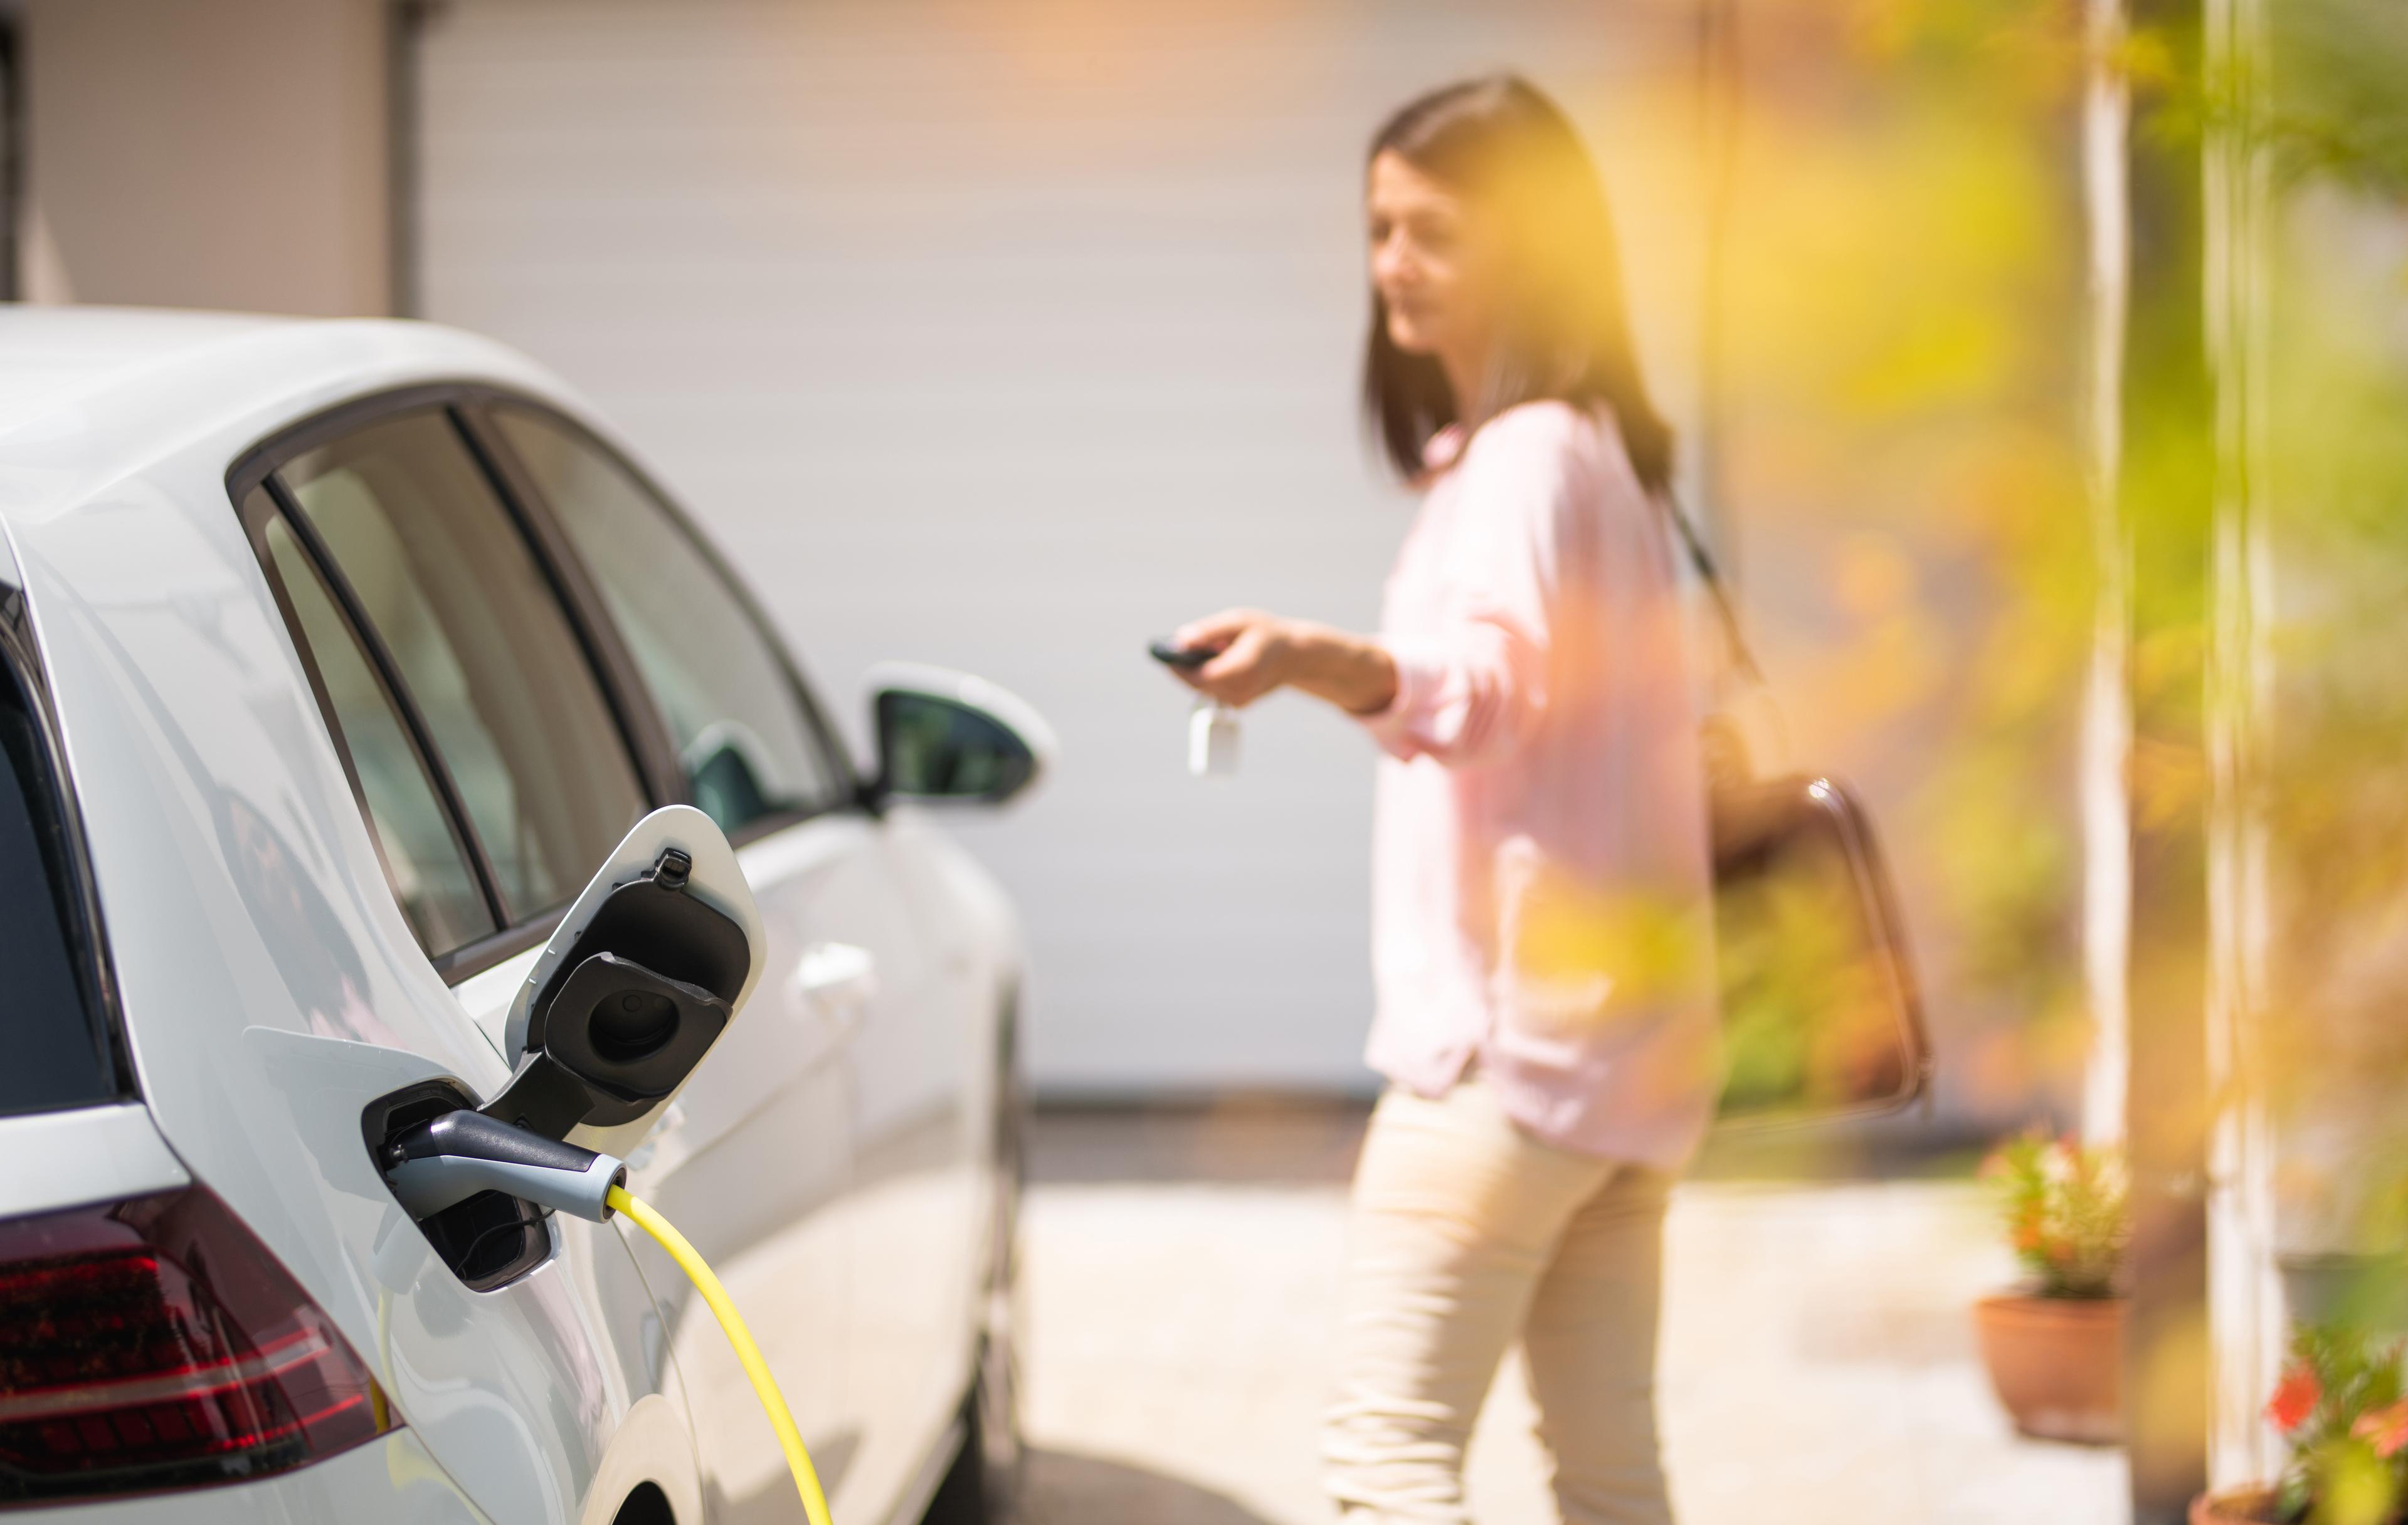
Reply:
x=837 y=977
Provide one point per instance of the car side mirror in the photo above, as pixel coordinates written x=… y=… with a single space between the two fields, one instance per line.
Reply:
x=634 y=988
x=947 y=736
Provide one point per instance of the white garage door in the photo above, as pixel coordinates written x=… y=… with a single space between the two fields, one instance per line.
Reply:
x=1005 y=336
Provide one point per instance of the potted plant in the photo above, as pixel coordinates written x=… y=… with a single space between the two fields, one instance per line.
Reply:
x=2342 y=1411
x=2055 y=1345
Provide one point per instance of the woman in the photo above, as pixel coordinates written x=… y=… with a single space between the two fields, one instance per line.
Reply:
x=1545 y=1012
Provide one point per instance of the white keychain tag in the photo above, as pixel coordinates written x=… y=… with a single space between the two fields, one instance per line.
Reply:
x=1212 y=740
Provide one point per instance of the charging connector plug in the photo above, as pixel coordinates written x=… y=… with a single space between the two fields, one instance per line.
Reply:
x=445 y=1160
x=455 y=1157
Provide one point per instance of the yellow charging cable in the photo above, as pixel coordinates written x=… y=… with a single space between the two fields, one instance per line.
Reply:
x=798 y=1462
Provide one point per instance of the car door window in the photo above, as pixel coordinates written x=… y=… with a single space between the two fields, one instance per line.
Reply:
x=453 y=590
x=424 y=859
x=58 y=1056
x=746 y=740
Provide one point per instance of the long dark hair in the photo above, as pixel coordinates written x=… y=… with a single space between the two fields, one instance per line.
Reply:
x=1502 y=145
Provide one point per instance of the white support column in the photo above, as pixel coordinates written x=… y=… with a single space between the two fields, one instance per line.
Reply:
x=2107 y=710
x=2245 y=1314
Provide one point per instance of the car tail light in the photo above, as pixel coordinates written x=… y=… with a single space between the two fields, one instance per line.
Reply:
x=154 y=1343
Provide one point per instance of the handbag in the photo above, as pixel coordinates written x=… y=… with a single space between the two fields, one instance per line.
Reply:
x=1821 y=1015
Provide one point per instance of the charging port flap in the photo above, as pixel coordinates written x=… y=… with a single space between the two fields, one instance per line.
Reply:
x=634 y=988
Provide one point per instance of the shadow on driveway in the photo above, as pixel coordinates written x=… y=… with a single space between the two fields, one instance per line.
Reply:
x=1062 y=1488
x=1230 y=1141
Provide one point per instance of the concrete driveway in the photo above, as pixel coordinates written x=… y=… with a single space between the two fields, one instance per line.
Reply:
x=1818 y=1361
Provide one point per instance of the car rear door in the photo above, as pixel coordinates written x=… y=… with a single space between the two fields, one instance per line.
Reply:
x=746 y=1169
x=873 y=979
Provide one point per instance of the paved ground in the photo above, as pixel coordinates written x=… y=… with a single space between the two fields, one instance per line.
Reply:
x=1818 y=1365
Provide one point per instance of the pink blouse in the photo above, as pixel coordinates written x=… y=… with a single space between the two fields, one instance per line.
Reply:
x=1539 y=860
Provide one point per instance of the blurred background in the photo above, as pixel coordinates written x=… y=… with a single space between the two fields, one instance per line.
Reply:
x=2039 y=368
x=1007 y=336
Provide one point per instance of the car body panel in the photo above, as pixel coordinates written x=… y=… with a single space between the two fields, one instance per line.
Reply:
x=271 y=991
x=53 y=1160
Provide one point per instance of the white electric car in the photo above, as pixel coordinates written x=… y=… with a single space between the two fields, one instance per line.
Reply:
x=336 y=659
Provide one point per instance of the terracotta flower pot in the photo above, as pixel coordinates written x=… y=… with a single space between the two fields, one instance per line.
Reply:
x=2058 y=1363
x=2242 y=1507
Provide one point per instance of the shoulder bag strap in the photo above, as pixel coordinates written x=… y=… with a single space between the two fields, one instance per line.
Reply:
x=1728 y=613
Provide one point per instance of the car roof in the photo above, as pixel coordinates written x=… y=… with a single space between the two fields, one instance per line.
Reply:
x=89 y=394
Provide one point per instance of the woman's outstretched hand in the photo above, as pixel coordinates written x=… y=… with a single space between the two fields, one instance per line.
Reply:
x=1258 y=652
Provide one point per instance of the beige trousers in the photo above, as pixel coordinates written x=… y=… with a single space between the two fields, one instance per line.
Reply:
x=1467 y=1232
